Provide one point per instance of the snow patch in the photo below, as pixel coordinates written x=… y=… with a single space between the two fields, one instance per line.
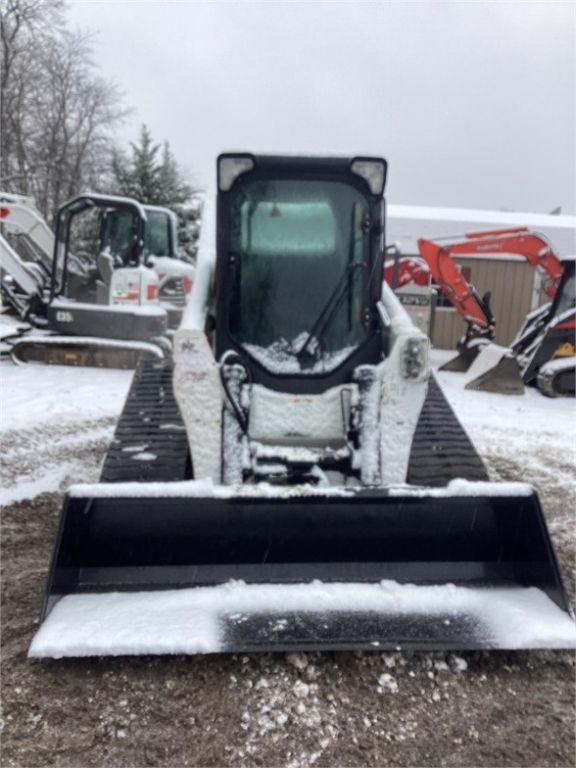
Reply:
x=200 y=488
x=193 y=620
x=207 y=489
x=28 y=487
x=460 y=487
x=35 y=395
x=281 y=356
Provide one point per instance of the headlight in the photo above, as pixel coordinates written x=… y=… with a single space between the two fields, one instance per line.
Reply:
x=414 y=358
x=373 y=171
x=230 y=167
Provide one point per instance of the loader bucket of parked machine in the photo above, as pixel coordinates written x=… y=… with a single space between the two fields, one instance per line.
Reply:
x=495 y=369
x=186 y=569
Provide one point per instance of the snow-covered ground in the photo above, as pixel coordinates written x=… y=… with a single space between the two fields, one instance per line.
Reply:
x=527 y=437
x=52 y=419
x=51 y=398
x=40 y=396
x=527 y=423
x=296 y=710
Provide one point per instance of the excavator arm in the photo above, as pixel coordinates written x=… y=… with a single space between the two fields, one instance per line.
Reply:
x=468 y=303
x=474 y=309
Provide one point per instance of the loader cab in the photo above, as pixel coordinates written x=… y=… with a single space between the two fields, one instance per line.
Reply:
x=299 y=261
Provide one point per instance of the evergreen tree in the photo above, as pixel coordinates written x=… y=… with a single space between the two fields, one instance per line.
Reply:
x=139 y=175
x=173 y=188
x=179 y=197
x=154 y=181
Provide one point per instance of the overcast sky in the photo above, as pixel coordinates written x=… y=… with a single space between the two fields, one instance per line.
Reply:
x=473 y=104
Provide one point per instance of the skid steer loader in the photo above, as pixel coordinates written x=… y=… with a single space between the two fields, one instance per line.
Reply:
x=296 y=478
x=543 y=354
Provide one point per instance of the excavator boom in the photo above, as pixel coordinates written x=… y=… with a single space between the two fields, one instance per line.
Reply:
x=520 y=240
x=454 y=286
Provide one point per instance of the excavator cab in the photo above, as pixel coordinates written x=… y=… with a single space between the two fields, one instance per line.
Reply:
x=91 y=232
x=102 y=301
x=99 y=266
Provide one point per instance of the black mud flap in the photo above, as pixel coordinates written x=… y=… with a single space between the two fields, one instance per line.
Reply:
x=504 y=378
x=80 y=353
x=442 y=568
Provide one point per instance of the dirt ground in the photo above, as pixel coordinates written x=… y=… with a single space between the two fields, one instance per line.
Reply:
x=345 y=709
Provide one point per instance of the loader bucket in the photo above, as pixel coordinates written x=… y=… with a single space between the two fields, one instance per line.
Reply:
x=183 y=568
x=495 y=370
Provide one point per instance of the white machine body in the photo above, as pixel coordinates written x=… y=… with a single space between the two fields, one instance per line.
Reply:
x=281 y=423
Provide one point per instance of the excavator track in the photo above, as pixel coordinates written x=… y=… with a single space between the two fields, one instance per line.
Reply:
x=150 y=442
x=82 y=351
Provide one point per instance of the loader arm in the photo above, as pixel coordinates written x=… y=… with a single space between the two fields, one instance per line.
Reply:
x=533 y=247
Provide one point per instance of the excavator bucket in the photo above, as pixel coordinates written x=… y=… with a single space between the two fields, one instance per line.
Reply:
x=192 y=568
x=495 y=369
x=463 y=360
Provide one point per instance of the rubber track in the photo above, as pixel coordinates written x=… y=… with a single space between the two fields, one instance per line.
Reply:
x=150 y=443
x=441 y=449
x=151 y=425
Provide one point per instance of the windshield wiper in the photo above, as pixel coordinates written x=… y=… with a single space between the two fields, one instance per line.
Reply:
x=306 y=357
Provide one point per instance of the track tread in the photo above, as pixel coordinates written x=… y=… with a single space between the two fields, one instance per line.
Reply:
x=150 y=423
x=441 y=449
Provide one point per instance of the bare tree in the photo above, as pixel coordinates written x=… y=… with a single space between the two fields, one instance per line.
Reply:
x=23 y=29
x=58 y=114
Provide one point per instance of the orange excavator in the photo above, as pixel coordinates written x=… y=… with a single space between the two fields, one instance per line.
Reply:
x=536 y=340
x=473 y=308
